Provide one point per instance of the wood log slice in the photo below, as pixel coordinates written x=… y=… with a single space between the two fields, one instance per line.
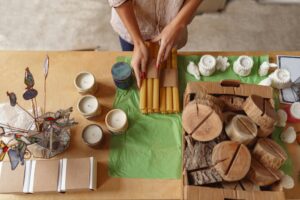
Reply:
x=269 y=153
x=260 y=110
x=232 y=160
x=261 y=175
x=241 y=129
x=201 y=122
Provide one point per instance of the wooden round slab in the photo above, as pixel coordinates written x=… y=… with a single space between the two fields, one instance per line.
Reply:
x=241 y=129
x=261 y=175
x=269 y=153
x=232 y=160
x=260 y=110
x=201 y=121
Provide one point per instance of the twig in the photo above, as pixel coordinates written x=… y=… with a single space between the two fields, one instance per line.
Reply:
x=36 y=108
x=45 y=95
x=26 y=111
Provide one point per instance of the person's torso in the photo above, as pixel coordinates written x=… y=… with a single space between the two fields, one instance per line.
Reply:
x=152 y=16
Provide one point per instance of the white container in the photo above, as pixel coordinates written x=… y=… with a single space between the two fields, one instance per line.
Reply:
x=116 y=121
x=243 y=65
x=85 y=83
x=89 y=106
x=289 y=135
x=92 y=135
x=207 y=65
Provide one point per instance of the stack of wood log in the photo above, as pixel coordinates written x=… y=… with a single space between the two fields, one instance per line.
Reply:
x=159 y=90
x=228 y=141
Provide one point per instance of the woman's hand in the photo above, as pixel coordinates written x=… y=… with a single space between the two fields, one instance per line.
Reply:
x=139 y=61
x=168 y=38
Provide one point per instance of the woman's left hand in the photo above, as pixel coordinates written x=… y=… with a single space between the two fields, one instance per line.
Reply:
x=168 y=39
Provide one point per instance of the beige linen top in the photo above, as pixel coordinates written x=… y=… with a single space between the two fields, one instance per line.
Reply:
x=152 y=16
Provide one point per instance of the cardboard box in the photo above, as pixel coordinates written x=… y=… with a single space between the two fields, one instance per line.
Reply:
x=229 y=87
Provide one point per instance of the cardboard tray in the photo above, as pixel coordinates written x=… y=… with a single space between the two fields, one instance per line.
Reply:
x=229 y=87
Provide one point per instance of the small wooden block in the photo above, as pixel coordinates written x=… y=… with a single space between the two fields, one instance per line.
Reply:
x=262 y=176
x=241 y=129
x=201 y=121
x=260 y=110
x=269 y=153
x=232 y=160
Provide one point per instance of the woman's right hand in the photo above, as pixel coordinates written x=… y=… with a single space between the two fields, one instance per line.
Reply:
x=139 y=61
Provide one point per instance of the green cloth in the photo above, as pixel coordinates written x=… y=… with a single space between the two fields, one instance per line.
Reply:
x=151 y=147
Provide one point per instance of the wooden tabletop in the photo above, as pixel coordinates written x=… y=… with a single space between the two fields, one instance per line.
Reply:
x=61 y=93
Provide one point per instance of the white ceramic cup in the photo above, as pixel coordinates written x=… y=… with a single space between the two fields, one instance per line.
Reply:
x=92 y=135
x=116 y=121
x=85 y=83
x=89 y=106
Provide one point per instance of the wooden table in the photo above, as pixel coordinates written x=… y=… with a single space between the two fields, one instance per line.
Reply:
x=61 y=94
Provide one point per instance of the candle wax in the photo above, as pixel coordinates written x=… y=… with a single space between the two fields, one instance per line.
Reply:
x=88 y=105
x=85 y=81
x=117 y=119
x=92 y=134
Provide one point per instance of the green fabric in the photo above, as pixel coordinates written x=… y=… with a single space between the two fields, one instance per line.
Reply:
x=151 y=148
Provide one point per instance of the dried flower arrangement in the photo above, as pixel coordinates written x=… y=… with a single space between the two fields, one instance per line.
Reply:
x=49 y=134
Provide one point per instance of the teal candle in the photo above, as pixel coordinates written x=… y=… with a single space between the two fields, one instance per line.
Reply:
x=122 y=75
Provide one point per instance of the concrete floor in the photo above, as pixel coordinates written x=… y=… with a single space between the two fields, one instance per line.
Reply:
x=75 y=24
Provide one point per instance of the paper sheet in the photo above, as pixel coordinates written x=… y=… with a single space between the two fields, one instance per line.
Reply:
x=292 y=64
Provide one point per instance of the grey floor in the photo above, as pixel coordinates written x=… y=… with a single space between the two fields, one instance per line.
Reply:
x=76 y=24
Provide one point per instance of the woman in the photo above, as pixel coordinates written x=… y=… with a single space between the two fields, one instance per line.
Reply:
x=163 y=21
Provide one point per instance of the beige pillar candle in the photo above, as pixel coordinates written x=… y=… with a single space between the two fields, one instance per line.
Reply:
x=169 y=96
x=143 y=96
x=149 y=94
x=175 y=91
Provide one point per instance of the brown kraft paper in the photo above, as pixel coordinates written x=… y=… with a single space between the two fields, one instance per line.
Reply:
x=169 y=77
x=152 y=71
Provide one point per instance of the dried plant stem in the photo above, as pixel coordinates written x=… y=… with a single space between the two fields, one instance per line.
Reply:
x=45 y=95
x=34 y=114
x=36 y=108
x=26 y=111
x=51 y=138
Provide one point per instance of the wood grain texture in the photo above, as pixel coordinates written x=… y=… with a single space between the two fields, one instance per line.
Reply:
x=241 y=129
x=260 y=110
x=201 y=121
x=232 y=160
x=269 y=153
